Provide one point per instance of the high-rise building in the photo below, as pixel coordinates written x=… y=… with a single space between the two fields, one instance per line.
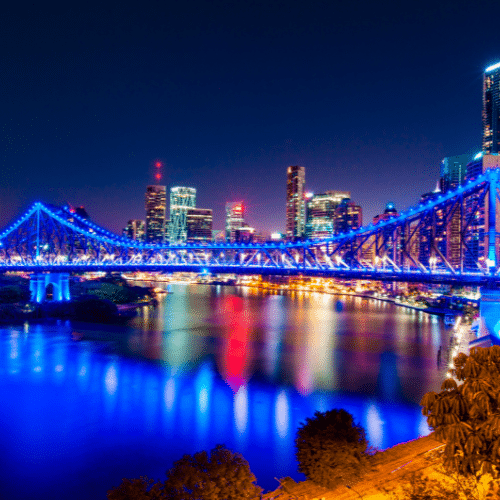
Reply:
x=199 y=224
x=491 y=109
x=348 y=217
x=320 y=213
x=453 y=171
x=156 y=209
x=135 y=230
x=235 y=220
x=181 y=200
x=295 y=206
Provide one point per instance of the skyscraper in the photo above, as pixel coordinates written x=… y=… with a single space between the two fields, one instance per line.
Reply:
x=181 y=200
x=156 y=208
x=453 y=171
x=491 y=109
x=295 y=206
x=348 y=217
x=320 y=213
x=235 y=212
x=135 y=230
x=199 y=224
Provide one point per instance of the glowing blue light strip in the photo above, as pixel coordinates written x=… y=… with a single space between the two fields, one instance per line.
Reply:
x=491 y=68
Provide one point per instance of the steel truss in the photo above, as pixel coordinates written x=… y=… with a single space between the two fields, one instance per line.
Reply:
x=450 y=239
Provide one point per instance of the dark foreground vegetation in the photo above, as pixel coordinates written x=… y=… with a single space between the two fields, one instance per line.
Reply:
x=91 y=301
x=332 y=450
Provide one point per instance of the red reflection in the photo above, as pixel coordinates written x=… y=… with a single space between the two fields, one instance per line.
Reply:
x=235 y=355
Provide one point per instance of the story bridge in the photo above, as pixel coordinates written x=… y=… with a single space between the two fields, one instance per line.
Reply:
x=452 y=238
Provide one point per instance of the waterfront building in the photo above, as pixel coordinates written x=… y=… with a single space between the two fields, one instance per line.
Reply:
x=295 y=206
x=491 y=109
x=156 y=209
x=199 y=224
x=320 y=213
x=235 y=220
x=181 y=200
x=135 y=230
x=348 y=217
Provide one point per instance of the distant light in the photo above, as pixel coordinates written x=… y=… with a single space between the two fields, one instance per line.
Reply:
x=480 y=154
x=309 y=195
x=491 y=68
x=276 y=236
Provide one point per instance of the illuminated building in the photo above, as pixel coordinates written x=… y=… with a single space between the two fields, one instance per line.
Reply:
x=295 y=206
x=181 y=200
x=156 y=208
x=348 y=217
x=320 y=213
x=135 y=230
x=477 y=231
x=491 y=109
x=235 y=212
x=199 y=224
x=453 y=171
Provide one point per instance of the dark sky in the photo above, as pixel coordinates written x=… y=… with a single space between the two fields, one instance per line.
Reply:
x=368 y=96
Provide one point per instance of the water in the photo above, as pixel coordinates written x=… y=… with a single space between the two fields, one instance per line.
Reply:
x=84 y=406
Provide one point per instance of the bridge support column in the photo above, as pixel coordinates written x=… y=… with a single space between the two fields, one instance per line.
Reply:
x=40 y=281
x=489 y=320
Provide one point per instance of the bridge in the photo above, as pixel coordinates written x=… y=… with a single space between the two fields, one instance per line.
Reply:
x=452 y=238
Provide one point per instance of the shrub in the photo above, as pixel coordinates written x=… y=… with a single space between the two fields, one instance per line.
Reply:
x=466 y=416
x=331 y=449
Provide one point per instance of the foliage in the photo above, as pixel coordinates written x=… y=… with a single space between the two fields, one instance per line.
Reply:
x=466 y=416
x=137 y=489
x=93 y=309
x=331 y=449
x=222 y=475
x=10 y=294
x=421 y=487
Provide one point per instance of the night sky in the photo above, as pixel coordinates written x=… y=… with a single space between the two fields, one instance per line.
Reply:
x=368 y=96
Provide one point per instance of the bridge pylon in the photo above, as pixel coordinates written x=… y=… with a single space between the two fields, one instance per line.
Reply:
x=40 y=281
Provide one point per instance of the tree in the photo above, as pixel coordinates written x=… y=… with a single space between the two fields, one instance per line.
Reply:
x=466 y=416
x=137 y=489
x=331 y=449
x=222 y=475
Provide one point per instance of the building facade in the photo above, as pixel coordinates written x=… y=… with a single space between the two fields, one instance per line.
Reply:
x=453 y=172
x=199 y=223
x=135 y=230
x=156 y=210
x=348 y=217
x=295 y=203
x=181 y=200
x=491 y=109
x=235 y=220
x=320 y=213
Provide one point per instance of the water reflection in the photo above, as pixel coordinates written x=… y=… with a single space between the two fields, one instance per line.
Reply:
x=245 y=373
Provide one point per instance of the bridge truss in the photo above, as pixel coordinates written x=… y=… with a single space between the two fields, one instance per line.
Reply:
x=452 y=238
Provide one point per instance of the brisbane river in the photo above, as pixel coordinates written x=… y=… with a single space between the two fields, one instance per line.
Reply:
x=83 y=406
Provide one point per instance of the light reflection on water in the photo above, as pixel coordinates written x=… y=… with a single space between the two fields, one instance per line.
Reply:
x=244 y=369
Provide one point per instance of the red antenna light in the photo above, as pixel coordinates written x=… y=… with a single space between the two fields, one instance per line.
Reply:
x=158 y=176
x=158 y=164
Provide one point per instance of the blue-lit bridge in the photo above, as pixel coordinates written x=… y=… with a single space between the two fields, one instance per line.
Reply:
x=452 y=238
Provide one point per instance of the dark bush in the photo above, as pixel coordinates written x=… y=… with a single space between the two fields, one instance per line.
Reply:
x=93 y=309
x=331 y=449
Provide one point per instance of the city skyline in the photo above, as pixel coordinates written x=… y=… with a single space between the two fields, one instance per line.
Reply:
x=227 y=97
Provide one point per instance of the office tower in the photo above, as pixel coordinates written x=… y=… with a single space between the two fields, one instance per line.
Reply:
x=348 y=217
x=156 y=208
x=199 y=224
x=135 y=230
x=320 y=213
x=491 y=109
x=235 y=222
x=295 y=206
x=475 y=235
x=181 y=200
x=453 y=171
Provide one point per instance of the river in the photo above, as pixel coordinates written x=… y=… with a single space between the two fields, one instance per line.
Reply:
x=83 y=405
